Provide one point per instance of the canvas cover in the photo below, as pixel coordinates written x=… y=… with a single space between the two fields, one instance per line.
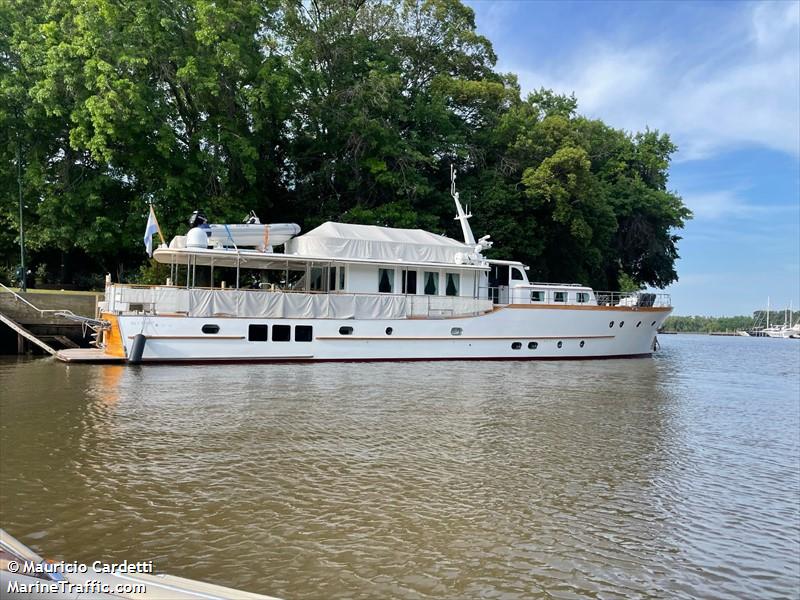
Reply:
x=344 y=240
x=279 y=305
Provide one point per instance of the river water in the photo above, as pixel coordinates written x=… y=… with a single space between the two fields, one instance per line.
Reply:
x=676 y=476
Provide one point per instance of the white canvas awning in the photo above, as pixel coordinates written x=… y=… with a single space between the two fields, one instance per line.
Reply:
x=347 y=241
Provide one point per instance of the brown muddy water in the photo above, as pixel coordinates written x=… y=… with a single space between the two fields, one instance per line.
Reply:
x=671 y=477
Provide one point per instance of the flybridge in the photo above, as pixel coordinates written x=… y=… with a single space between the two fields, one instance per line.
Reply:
x=330 y=241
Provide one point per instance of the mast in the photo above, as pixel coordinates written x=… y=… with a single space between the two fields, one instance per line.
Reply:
x=767 y=312
x=460 y=214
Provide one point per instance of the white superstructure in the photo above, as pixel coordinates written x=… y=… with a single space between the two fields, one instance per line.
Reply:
x=363 y=292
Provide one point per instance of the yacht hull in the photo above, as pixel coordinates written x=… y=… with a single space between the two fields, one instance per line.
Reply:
x=514 y=332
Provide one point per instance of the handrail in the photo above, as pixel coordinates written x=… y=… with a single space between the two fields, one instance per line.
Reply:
x=41 y=311
x=289 y=291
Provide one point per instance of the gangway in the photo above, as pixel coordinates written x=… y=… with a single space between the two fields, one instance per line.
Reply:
x=27 y=334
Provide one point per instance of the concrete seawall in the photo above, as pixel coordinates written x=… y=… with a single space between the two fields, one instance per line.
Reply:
x=57 y=331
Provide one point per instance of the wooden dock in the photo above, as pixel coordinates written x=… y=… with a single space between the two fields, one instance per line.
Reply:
x=87 y=355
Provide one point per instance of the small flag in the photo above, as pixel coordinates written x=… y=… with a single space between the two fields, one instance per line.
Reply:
x=152 y=227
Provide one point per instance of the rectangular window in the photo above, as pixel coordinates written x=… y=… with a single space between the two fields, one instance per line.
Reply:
x=281 y=333
x=385 y=280
x=431 y=283
x=341 y=279
x=316 y=279
x=453 y=283
x=332 y=278
x=409 y=282
x=537 y=296
x=583 y=297
x=560 y=297
x=303 y=333
x=258 y=333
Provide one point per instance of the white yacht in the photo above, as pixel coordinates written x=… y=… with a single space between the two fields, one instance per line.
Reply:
x=362 y=293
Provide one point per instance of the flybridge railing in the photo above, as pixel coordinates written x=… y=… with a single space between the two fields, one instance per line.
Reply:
x=574 y=295
x=637 y=299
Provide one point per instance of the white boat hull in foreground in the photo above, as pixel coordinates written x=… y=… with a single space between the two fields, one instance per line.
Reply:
x=510 y=332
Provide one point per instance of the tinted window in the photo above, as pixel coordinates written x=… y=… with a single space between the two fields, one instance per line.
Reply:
x=456 y=331
x=210 y=328
x=516 y=275
x=409 y=282
x=560 y=297
x=431 y=283
x=281 y=333
x=258 y=333
x=385 y=280
x=533 y=345
x=516 y=345
x=583 y=297
x=453 y=283
x=303 y=333
x=537 y=296
x=345 y=331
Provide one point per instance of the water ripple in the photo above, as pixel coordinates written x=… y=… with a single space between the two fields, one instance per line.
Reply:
x=668 y=477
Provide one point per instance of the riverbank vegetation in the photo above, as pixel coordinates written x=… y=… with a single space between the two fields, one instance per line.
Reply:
x=699 y=324
x=307 y=112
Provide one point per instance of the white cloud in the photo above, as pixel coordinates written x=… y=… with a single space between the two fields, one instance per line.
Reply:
x=734 y=88
x=729 y=204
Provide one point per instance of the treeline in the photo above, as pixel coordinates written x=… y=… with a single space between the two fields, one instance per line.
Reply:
x=699 y=324
x=306 y=112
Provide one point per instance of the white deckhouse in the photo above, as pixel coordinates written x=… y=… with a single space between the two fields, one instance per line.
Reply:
x=362 y=292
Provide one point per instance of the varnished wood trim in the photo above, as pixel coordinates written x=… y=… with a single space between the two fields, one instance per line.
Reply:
x=658 y=309
x=208 y=336
x=465 y=337
x=112 y=337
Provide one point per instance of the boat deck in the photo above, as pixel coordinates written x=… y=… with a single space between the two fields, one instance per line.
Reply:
x=87 y=355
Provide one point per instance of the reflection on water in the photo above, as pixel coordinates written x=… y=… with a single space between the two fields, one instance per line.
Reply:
x=675 y=476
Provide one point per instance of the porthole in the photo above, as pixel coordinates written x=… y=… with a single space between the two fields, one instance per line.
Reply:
x=560 y=344
x=456 y=331
x=516 y=345
x=389 y=331
x=210 y=328
x=639 y=323
x=345 y=331
x=533 y=345
x=582 y=344
x=621 y=323
x=610 y=325
x=653 y=324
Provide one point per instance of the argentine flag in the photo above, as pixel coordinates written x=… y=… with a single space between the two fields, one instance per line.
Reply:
x=152 y=227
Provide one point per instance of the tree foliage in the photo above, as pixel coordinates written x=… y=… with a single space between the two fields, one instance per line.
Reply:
x=349 y=110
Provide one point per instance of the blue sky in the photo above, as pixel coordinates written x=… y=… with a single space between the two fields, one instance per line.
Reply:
x=723 y=79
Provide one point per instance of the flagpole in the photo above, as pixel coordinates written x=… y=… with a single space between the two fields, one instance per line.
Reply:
x=158 y=227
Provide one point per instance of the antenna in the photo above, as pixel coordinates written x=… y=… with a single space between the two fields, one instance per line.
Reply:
x=460 y=214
